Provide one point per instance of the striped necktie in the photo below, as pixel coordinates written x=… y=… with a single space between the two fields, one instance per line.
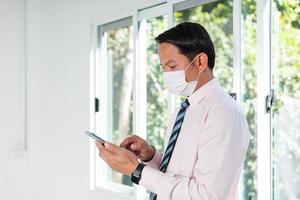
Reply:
x=172 y=141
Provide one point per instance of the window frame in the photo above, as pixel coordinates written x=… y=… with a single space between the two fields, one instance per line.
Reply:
x=264 y=142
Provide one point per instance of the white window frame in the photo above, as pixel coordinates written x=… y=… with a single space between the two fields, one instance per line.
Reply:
x=160 y=8
x=264 y=177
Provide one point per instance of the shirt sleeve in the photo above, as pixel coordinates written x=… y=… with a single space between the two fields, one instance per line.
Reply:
x=155 y=161
x=221 y=149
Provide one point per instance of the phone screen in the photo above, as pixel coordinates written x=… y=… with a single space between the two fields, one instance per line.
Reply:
x=95 y=137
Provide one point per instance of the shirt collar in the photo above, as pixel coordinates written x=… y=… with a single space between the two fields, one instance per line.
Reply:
x=202 y=92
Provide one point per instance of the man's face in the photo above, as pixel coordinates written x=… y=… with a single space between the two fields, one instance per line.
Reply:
x=172 y=60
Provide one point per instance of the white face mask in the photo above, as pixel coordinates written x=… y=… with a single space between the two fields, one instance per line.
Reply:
x=175 y=82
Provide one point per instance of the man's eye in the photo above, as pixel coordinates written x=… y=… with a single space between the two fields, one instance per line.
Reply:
x=173 y=66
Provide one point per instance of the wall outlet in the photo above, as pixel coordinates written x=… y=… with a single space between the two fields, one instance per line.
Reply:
x=19 y=155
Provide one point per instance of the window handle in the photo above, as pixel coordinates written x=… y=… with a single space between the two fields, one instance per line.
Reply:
x=96 y=104
x=270 y=100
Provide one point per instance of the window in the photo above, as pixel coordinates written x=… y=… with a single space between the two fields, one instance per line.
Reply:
x=157 y=95
x=120 y=65
x=152 y=91
x=285 y=80
x=115 y=89
x=129 y=85
x=249 y=95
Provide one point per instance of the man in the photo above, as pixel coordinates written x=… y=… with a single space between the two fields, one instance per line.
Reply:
x=206 y=139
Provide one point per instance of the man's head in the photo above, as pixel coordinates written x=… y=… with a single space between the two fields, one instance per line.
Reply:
x=180 y=45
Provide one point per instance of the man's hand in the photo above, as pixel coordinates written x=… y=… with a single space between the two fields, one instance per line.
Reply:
x=118 y=158
x=139 y=147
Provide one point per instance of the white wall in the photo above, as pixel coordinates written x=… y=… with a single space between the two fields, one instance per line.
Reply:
x=19 y=179
x=58 y=37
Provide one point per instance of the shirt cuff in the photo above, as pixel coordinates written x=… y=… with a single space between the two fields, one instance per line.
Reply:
x=150 y=178
x=155 y=161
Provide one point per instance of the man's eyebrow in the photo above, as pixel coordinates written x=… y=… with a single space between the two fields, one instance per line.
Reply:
x=168 y=62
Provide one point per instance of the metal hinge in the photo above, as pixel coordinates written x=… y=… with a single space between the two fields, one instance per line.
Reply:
x=270 y=100
x=96 y=105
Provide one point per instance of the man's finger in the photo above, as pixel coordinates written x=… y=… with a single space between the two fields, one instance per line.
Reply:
x=99 y=145
x=104 y=156
x=102 y=149
x=111 y=147
x=105 y=153
x=135 y=146
x=127 y=141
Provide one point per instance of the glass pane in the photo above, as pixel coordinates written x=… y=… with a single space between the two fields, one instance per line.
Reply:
x=286 y=113
x=216 y=17
x=120 y=64
x=249 y=83
x=156 y=93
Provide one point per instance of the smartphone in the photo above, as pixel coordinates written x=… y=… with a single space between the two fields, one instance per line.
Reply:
x=95 y=137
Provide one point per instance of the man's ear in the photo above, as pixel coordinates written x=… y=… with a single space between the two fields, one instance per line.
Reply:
x=202 y=61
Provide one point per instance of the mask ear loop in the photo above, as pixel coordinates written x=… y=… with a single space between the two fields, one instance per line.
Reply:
x=191 y=64
x=199 y=70
x=198 y=75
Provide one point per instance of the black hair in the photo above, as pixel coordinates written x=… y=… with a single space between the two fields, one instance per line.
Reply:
x=191 y=39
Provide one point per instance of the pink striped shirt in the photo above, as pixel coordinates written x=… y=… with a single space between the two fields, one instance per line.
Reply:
x=209 y=152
